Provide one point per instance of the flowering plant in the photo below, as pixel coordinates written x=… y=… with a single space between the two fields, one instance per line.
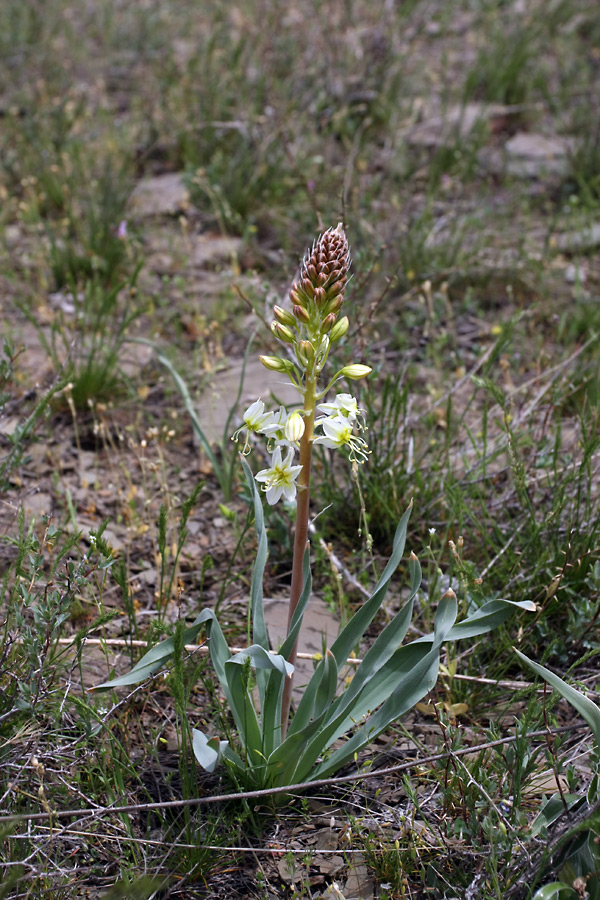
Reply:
x=272 y=748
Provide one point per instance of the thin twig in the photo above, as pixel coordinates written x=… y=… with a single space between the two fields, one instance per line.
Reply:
x=203 y=649
x=285 y=789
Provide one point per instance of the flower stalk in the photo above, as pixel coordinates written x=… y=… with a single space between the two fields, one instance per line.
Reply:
x=310 y=329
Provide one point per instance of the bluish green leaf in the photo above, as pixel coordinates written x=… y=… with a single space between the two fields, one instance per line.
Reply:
x=362 y=618
x=208 y=751
x=552 y=810
x=585 y=707
x=158 y=655
x=421 y=664
x=558 y=890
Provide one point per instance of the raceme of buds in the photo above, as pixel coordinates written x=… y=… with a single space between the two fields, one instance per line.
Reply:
x=324 y=273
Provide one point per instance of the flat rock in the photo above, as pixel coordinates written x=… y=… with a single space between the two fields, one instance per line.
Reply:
x=530 y=155
x=318 y=622
x=219 y=396
x=359 y=884
x=207 y=249
x=573 y=241
x=163 y=195
x=458 y=121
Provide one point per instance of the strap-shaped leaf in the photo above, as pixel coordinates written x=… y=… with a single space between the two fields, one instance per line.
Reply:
x=258 y=734
x=385 y=644
x=360 y=621
x=259 y=629
x=261 y=659
x=488 y=616
x=317 y=695
x=584 y=706
x=208 y=751
x=412 y=686
x=557 y=890
x=284 y=762
x=159 y=655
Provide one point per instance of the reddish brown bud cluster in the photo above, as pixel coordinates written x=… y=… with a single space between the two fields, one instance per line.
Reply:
x=324 y=274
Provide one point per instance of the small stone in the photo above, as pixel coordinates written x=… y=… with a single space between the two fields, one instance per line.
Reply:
x=164 y=195
x=575 y=274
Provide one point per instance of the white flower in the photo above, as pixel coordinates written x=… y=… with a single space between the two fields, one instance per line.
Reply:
x=339 y=433
x=274 y=428
x=344 y=406
x=255 y=418
x=280 y=479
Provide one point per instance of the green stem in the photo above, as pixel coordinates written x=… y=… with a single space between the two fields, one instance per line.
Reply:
x=300 y=537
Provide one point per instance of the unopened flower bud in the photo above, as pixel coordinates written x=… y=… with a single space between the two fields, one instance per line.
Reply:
x=336 y=288
x=283 y=316
x=355 y=371
x=334 y=306
x=339 y=329
x=294 y=427
x=297 y=295
x=311 y=272
x=328 y=323
x=301 y=314
x=275 y=364
x=322 y=278
x=282 y=332
x=306 y=349
x=320 y=296
x=307 y=287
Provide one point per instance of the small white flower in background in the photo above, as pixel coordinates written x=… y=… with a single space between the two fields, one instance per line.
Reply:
x=280 y=479
x=338 y=433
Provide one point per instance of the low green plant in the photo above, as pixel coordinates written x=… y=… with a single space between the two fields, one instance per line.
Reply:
x=39 y=592
x=86 y=346
x=272 y=750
